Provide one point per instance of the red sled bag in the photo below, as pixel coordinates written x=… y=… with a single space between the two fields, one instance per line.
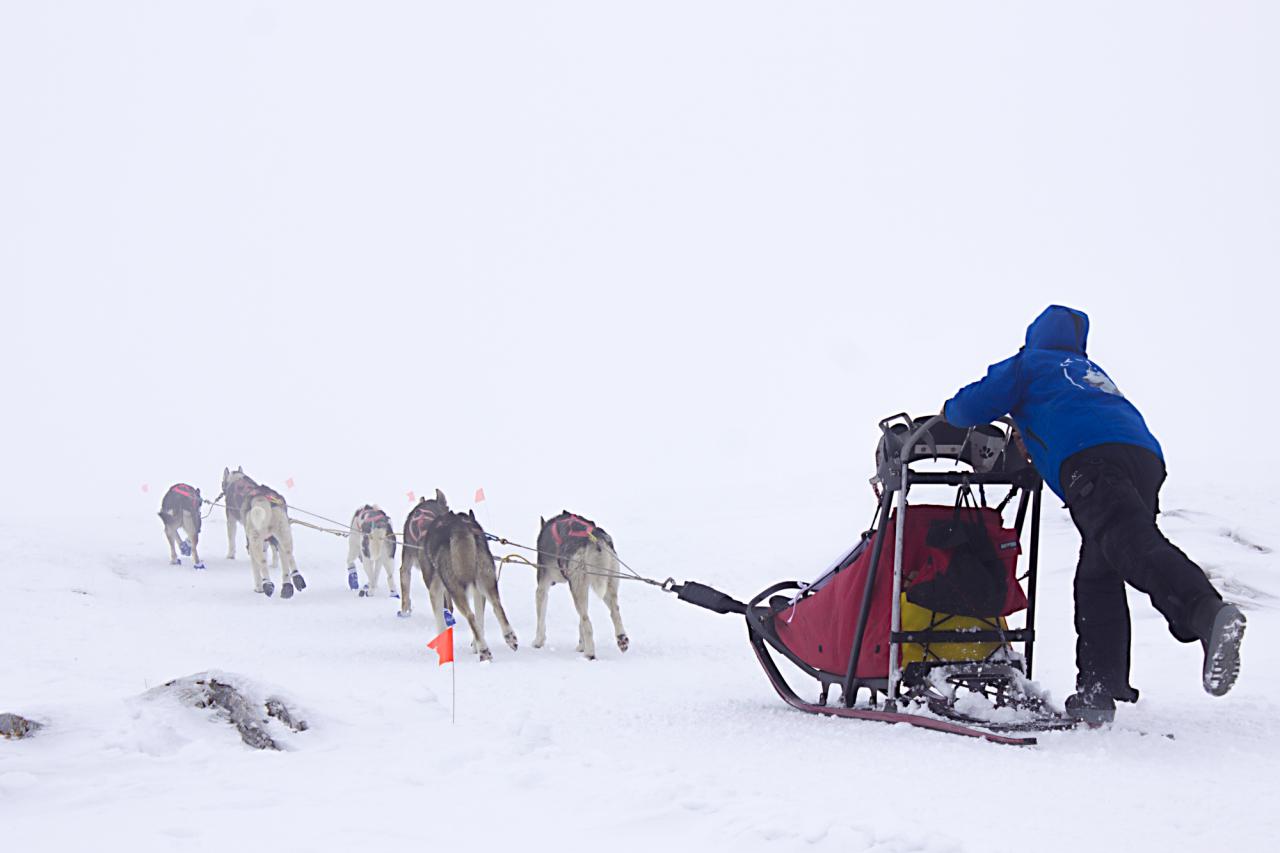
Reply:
x=960 y=560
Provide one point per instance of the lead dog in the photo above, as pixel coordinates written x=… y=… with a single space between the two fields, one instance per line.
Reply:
x=180 y=508
x=373 y=540
x=413 y=553
x=266 y=519
x=460 y=560
x=573 y=550
x=236 y=488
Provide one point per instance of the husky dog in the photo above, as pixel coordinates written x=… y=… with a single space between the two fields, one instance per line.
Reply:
x=265 y=518
x=414 y=552
x=459 y=559
x=573 y=550
x=180 y=508
x=236 y=488
x=374 y=541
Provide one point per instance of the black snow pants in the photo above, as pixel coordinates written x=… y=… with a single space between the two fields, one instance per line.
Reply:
x=1113 y=493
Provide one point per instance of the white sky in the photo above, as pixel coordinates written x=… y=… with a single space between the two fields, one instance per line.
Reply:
x=612 y=254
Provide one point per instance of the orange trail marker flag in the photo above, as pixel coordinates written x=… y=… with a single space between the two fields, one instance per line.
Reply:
x=442 y=645
x=479 y=495
x=289 y=482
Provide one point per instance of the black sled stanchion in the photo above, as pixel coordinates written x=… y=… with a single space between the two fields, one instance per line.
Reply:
x=930 y=682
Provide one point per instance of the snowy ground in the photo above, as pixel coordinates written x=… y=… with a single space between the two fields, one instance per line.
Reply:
x=680 y=742
x=664 y=264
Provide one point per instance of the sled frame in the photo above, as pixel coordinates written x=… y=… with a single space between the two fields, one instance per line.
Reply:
x=905 y=441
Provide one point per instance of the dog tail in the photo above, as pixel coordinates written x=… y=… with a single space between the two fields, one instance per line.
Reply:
x=258 y=514
x=604 y=559
x=462 y=552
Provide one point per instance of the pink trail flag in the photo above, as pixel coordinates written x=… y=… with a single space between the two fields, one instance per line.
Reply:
x=479 y=495
x=289 y=482
x=412 y=496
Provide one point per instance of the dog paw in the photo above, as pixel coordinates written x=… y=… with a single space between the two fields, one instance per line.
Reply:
x=364 y=592
x=511 y=640
x=286 y=591
x=298 y=582
x=395 y=594
x=539 y=642
x=486 y=655
x=185 y=548
x=175 y=562
x=199 y=565
x=353 y=580
x=624 y=642
x=268 y=588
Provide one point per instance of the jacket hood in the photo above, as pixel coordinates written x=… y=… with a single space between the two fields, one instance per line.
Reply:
x=1060 y=328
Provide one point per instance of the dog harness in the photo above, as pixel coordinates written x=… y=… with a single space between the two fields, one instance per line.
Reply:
x=368 y=517
x=191 y=493
x=273 y=497
x=240 y=492
x=572 y=527
x=420 y=519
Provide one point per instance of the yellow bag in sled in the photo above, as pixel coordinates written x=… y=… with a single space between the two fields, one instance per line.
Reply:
x=917 y=618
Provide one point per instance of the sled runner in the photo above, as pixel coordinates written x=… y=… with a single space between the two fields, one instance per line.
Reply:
x=917 y=613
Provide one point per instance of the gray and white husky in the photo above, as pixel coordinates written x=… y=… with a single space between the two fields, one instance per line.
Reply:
x=413 y=553
x=236 y=488
x=180 y=510
x=373 y=540
x=573 y=550
x=266 y=519
x=460 y=560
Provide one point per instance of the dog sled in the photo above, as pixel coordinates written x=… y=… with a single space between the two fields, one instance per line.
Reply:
x=927 y=614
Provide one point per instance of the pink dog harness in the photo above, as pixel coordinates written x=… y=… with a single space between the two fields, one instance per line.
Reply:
x=420 y=519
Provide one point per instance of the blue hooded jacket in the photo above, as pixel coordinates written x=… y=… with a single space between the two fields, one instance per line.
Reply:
x=1061 y=401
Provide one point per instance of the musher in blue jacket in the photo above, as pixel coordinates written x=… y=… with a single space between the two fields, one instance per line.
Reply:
x=1094 y=450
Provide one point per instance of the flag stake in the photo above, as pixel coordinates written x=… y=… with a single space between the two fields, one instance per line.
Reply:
x=442 y=645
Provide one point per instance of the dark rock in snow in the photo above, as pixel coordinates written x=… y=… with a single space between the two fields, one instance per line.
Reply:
x=15 y=727
x=252 y=718
x=276 y=708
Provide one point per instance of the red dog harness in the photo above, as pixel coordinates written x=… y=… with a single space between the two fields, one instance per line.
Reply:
x=239 y=493
x=572 y=527
x=191 y=493
x=273 y=497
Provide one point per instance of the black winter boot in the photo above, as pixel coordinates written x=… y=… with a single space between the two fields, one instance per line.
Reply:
x=1222 y=650
x=1092 y=706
